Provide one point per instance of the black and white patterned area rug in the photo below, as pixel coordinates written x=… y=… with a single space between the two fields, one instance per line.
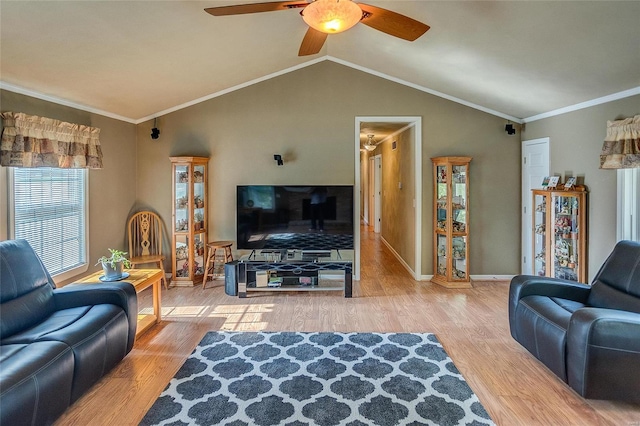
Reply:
x=288 y=378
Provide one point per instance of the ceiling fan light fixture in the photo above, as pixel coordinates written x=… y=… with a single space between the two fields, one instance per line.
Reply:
x=332 y=16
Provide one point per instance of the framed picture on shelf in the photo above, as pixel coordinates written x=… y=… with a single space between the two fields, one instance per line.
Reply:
x=545 y=182
x=553 y=181
x=570 y=183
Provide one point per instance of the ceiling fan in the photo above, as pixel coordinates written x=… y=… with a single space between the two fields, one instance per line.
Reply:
x=326 y=17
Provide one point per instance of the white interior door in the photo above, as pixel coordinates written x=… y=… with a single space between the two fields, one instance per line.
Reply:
x=535 y=166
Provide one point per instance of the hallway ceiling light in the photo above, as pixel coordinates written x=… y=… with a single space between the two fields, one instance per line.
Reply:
x=370 y=144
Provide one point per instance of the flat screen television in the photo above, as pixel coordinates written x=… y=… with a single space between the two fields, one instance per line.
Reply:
x=295 y=217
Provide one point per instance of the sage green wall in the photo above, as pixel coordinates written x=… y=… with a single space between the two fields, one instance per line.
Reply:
x=308 y=116
x=111 y=189
x=575 y=143
x=398 y=215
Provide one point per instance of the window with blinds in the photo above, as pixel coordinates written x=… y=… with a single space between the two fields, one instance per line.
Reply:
x=50 y=211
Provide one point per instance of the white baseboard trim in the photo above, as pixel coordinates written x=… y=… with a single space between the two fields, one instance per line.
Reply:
x=400 y=259
x=428 y=277
x=477 y=277
x=492 y=277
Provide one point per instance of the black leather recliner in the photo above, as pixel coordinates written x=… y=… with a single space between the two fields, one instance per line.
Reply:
x=55 y=343
x=589 y=336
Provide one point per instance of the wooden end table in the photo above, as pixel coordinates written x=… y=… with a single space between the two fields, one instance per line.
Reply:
x=140 y=279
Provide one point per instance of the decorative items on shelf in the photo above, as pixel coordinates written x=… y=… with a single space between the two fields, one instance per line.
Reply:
x=458 y=253
x=185 y=272
x=198 y=221
x=457 y=203
x=442 y=175
x=182 y=203
x=451 y=219
x=190 y=218
x=459 y=227
x=200 y=248
x=563 y=249
x=570 y=183
x=181 y=253
x=459 y=274
x=182 y=225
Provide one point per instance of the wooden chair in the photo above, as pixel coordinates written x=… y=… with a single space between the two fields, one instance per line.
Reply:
x=145 y=241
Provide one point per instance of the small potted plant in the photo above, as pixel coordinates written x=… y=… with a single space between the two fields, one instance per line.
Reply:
x=199 y=221
x=112 y=265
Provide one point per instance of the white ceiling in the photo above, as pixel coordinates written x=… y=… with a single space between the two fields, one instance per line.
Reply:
x=136 y=59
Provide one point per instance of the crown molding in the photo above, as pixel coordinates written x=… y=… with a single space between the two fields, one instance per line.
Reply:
x=586 y=104
x=21 y=90
x=232 y=89
x=422 y=89
x=60 y=101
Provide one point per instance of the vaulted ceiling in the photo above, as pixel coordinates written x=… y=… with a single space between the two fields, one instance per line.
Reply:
x=137 y=59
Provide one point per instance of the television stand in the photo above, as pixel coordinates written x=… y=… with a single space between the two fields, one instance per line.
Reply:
x=259 y=272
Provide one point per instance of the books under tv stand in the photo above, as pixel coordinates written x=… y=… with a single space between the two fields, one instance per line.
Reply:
x=294 y=271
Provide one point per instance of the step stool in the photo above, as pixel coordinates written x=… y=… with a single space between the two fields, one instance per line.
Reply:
x=218 y=253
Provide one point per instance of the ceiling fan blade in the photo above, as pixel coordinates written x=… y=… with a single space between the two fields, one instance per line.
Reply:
x=392 y=23
x=255 y=8
x=312 y=42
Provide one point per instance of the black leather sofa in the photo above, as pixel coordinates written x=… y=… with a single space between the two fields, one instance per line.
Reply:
x=589 y=336
x=55 y=343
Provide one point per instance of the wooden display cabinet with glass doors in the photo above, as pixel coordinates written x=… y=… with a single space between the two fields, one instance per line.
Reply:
x=451 y=221
x=189 y=219
x=559 y=233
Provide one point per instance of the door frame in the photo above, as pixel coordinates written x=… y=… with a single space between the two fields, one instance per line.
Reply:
x=377 y=193
x=367 y=198
x=416 y=122
x=526 y=224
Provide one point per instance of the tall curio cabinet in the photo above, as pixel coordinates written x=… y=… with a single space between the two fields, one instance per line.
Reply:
x=189 y=219
x=559 y=233
x=451 y=221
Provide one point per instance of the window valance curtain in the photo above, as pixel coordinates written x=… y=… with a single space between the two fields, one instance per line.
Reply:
x=32 y=141
x=621 y=148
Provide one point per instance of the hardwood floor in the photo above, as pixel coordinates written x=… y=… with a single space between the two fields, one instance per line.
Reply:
x=471 y=324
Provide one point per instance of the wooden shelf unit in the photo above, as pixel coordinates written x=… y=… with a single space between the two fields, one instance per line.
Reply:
x=451 y=221
x=559 y=233
x=189 y=219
